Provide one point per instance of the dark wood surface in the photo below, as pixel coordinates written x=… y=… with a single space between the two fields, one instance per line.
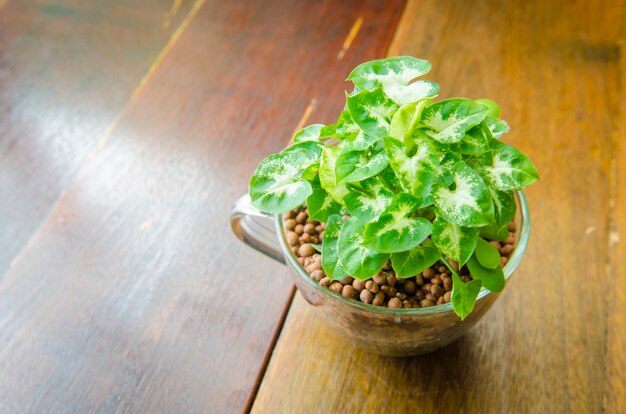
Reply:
x=555 y=341
x=127 y=130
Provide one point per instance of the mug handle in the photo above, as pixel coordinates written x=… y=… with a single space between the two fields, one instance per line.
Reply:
x=255 y=228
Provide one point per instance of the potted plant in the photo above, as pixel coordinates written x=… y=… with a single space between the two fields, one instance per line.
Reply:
x=402 y=217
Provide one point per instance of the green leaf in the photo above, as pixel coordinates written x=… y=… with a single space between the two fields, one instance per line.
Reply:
x=504 y=211
x=345 y=124
x=469 y=204
x=309 y=133
x=496 y=126
x=416 y=173
x=359 y=261
x=450 y=119
x=358 y=165
x=475 y=141
x=456 y=242
x=395 y=230
x=330 y=256
x=394 y=75
x=372 y=111
x=320 y=203
x=487 y=255
x=368 y=199
x=412 y=262
x=494 y=108
x=405 y=120
x=464 y=295
x=328 y=178
x=277 y=184
x=493 y=279
x=511 y=169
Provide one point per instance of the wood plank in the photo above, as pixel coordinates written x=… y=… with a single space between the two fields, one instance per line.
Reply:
x=542 y=348
x=67 y=68
x=615 y=393
x=133 y=295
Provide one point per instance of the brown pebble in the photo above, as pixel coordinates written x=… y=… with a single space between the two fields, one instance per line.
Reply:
x=301 y=217
x=290 y=224
x=496 y=244
x=447 y=296
x=431 y=297
x=440 y=301
x=321 y=235
x=314 y=239
x=305 y=238
x=379 y=299
x=359 y=285
x=436 y=280
x=317 y=258
x=395 y=303
x=390 y=291
x=419 y=279
x=426 y=287
x=299 y=259
x=372 y=286
x=512 y=227
x=447 y=284
x=503 y=261
x=401 y=296
x=507 y=249
x=366 y=296
x=387 y=266
x=299 y=229
x=419 y=295
x=294 y=250
x=348 y=291
x=318 y=275
x=336 y=287
x=380 y=278
x=428 y=273
x=313 y=266
x=425 y=303
x=309 y=228
x=454 y=264
x=436 y=290
x=325 y=281
x=347 y=280
x=306 y=250
x=292 y=238
x=465 y=279
x=510 y=239
x=409 y=287
x=391 y=280
x=442 y=269
x=289 y=215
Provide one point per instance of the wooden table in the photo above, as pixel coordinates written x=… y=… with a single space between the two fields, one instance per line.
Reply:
x=128 y=129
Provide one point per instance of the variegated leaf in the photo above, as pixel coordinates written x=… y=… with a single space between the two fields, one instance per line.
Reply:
x=450 y=119
x=357 y=165
x=511 y=169
x=469 y=203
x=367 y=199
x=309 y=133
x=504 y=211
x=277 y=184
x=416 y=172
x=330 y=255
x=412 y=262
x=464 y=295
x=405 y=120
x=476 y=141
x=496 y=126
x=328 y=178
x=320 y=203
x=454 y=241
x=396 y=229
x=394 y=75
x=359 y=261
x=372 y=111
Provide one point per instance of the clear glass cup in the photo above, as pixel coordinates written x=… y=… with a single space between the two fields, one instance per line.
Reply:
x=394 y=332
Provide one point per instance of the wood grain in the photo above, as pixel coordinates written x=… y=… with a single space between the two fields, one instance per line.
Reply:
x=67 y=68
x=133 y=295
x=555 y=69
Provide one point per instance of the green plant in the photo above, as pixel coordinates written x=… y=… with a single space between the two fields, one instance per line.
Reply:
x=422 y=181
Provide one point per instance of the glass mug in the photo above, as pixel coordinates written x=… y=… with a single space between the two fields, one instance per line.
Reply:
x=385 y=331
